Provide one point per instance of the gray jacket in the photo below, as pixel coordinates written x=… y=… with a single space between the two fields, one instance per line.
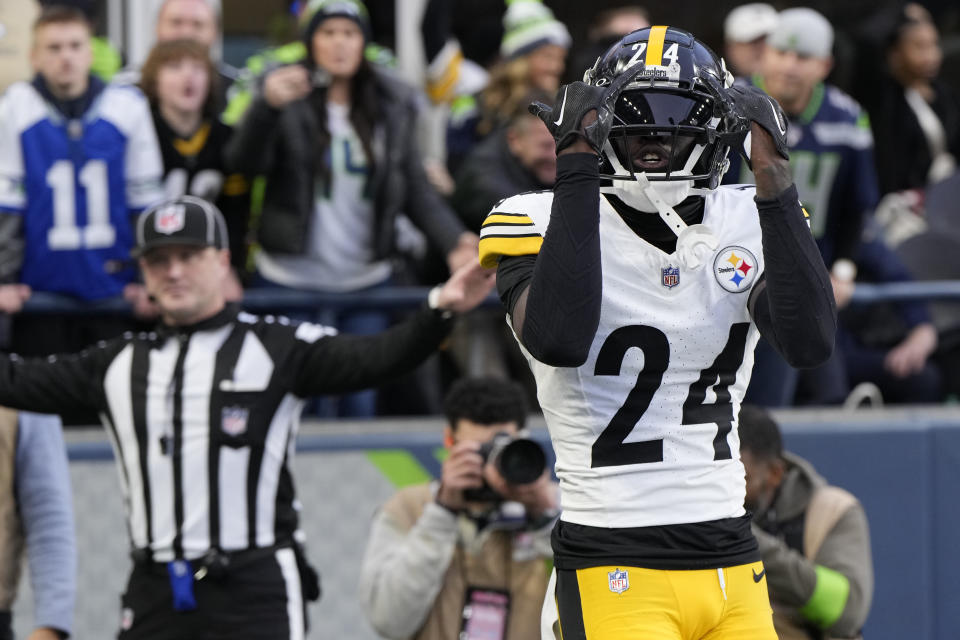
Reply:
x=792 y=578
x=281 y=145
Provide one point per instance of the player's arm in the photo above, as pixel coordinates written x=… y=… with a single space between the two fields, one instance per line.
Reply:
x=554 y=298
x=792 y=303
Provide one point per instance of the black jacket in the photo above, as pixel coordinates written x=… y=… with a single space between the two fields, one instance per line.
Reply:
x=281 y=144
x=489 y=174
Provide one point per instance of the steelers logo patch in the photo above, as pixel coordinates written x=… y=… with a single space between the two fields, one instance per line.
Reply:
x=735 y=269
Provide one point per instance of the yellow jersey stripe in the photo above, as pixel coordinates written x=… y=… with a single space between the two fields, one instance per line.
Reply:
x=506 y=218
x=492 y=247
x=193 y=145
x=655 y=46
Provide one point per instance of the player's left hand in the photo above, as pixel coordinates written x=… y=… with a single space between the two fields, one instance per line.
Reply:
x=537 y=497
x=752 y=105
x=44 y=633
x=467 y=287
x=911 y=354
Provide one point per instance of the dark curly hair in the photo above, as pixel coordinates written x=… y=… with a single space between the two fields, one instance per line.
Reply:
x=759 y=433
x=485 y=401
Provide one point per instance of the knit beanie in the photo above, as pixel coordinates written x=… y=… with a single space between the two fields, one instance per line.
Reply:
x=317 y=11
x=529 y=24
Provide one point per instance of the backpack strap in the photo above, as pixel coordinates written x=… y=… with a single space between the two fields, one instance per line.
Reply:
x=827 y=506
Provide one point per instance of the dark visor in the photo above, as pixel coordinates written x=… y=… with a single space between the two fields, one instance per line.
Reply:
x=661 y=109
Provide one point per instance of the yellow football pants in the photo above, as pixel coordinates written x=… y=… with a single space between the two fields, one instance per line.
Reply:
x=604 y=603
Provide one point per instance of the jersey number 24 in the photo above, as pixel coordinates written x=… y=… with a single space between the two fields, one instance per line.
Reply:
x=610 y=448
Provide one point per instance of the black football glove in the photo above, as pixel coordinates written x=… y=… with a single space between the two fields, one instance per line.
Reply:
x=565 y=119
x=751 y=104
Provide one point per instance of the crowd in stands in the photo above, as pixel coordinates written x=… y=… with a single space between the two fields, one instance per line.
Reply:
x=313 y=153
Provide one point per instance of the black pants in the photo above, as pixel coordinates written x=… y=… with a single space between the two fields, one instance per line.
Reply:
x=6 y=625
x=258 y=600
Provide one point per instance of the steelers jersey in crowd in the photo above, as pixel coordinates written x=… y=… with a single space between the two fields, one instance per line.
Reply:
x=195 y=166
x=644 y=429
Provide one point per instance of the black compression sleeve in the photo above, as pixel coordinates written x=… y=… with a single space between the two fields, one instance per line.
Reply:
x=793 y=303
x=562 y=308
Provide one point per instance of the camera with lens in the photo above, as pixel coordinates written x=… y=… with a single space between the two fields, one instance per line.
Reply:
x=519 y=460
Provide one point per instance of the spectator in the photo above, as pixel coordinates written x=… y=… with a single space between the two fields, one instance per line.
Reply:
x=745 y=32
x=814 y=538
x=831 y=159
x=77 y=160
x=608 y=26
x=179 y=80
x=917 y=121
x=203 y=414
x=106 y=59
x=197 y=20
x=36 y=515
x=335 y=139
x=887 y=345
x=439 y=563
x=518 y=158
x=532 y=57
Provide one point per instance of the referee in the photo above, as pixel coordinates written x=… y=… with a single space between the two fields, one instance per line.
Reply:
x=202 y=414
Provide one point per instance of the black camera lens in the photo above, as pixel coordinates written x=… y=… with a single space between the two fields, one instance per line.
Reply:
x=521 y=461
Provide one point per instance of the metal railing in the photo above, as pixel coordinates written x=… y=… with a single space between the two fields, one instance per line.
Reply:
x=284 y=300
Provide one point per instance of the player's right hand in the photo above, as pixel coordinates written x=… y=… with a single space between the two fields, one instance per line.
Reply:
x=569 y=120
x=463 y=469
x=285 y=85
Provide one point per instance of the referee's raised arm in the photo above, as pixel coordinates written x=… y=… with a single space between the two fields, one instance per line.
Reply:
x=341 y=363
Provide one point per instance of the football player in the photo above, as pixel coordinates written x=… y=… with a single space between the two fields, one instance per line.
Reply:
x=637 y=289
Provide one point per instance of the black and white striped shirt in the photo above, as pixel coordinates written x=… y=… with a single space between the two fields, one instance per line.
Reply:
x=203 y=418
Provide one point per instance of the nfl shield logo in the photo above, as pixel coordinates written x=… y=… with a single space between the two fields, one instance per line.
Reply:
x=619 y=581
x=169 y=219
x=234 y=420
x=670 y=277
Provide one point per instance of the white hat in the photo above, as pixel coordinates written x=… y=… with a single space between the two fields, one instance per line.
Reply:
x=528 y=24
x=802 y=30
x=748 y=22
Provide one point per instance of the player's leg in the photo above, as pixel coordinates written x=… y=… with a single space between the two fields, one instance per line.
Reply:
x=617 y=602
x=747 y=614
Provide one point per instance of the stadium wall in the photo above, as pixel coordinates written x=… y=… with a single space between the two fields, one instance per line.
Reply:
x=903 y=464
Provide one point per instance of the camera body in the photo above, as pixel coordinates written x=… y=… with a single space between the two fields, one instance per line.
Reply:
x=519 y=460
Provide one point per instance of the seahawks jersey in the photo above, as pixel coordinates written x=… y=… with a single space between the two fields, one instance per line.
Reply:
x=831 y=159
x=644 y=431
x=75 y=183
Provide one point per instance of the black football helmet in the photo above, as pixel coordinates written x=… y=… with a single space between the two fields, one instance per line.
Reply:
x=670 y=119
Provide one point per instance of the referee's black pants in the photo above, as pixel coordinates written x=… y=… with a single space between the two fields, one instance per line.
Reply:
x=258 y=600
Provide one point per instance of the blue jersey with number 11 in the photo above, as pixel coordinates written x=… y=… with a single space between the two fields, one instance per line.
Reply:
x=76 y=184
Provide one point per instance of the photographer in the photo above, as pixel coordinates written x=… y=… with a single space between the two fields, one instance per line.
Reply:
x=465 y=555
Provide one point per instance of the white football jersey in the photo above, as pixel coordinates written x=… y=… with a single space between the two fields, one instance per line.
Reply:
x=645 y=430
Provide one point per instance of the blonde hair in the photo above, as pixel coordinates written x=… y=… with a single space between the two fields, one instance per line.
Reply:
x=505 y=92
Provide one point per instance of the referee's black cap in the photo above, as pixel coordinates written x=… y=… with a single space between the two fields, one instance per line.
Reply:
x=186 y=220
